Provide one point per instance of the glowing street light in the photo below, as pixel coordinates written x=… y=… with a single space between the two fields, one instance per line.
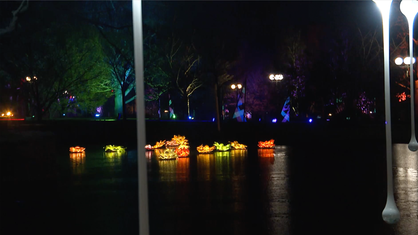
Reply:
x=390 y=213
x=398 y=61
x=410 y=8
x=407 y=60
x=276 y=77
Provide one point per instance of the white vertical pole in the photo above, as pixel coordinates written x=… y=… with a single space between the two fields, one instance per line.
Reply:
x=390 y=213
x=410 y=8
x=140 y=117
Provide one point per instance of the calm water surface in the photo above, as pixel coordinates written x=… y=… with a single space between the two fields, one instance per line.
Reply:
x=285 y=190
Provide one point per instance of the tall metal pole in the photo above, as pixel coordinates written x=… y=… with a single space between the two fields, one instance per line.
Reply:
x=140 y=118
x=390 y=213
x=410 y=8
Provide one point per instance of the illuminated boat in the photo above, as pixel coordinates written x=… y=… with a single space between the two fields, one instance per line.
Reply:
x=177 y=140
x=266 y=144
x=183 y=151
x=236 y=145
x=148 y=147
x=205 y=149
x=222 y=147
x=77 y=149
x=171 y=143
x=168 y=154
x=114 y=148
x=159 y=144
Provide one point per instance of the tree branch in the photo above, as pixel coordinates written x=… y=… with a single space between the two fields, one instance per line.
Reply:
x=23 y=7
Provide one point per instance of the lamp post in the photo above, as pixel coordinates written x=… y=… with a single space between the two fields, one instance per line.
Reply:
x=410 y=8
x=238 y=88
x=277 y=78
x=32 y=80
x=390 y=213
x=406 y=62
x=140 y=118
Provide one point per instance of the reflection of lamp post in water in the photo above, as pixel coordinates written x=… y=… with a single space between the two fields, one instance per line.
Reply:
x=390 y=213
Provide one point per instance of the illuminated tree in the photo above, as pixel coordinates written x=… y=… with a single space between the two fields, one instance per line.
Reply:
x=185 y=69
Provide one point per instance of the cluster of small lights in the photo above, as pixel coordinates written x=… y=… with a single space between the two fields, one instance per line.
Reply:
x=402 y=96
x=364 y=104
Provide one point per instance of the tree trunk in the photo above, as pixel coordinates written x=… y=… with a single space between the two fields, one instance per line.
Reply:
x=123 y=104
x=218 y=115
x=159 y=107
x=188 y=107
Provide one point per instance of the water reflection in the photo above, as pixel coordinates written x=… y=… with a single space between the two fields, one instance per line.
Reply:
x=77 y=161
x=114 y=158
x=222 y=164
x=148 y=155
x=406 y=186
x=266 y=155
x=167 y=170
x=205 y=164
x=274 y=180
x=238 y=161
x=182 y=171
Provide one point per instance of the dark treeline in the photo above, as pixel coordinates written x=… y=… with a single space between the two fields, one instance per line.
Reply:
x=79 y=56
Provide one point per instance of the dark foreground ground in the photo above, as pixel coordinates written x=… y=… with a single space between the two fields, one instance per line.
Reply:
x=334 y=182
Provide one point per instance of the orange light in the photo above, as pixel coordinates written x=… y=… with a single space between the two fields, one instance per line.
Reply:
x=205 y=149
x=183 y=151
x=266 y=144
x=77 y=149
x=159 y=144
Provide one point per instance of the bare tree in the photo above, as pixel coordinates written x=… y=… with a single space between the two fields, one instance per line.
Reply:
x=12 y=25
x=184 y=64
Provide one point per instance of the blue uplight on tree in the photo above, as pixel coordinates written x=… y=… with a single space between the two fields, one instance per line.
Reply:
x=310 y=120
x=97 y=115
x=274 y=120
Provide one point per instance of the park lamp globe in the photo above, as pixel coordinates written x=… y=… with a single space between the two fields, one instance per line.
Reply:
x=410 y=8
x=390 y=213
x=398 y=61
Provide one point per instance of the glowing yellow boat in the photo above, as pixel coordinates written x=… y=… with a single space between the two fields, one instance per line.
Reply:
x=114 y=148
x=237 y=145
x=168 y=154
x=205 y=149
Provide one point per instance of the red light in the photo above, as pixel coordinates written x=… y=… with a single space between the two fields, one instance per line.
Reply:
x=112 y=90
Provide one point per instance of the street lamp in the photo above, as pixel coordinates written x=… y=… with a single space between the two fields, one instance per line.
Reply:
x=390 y=213
x=236 y=87
x=410 y=8
x=276 y=77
